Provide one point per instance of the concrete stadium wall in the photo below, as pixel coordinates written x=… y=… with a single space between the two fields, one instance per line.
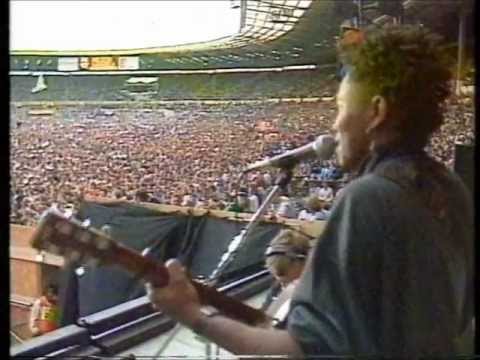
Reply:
x=28 y=272
x=20 y=235
x=25 y=278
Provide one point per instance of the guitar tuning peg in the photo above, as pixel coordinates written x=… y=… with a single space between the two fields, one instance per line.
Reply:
x=68 y=214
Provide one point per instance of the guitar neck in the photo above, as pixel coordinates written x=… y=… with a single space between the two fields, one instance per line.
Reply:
x=156 y=273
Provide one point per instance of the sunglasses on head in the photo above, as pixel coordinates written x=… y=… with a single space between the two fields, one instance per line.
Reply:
x=293 y=253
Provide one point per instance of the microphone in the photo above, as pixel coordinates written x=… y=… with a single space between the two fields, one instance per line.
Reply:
x=322 y=148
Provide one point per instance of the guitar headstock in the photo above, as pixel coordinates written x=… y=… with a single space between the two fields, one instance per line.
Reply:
x=60 y=234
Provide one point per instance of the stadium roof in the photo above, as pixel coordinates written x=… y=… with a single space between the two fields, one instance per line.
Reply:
x=274 y=33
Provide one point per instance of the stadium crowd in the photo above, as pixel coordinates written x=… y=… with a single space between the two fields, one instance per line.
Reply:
x=189 y=155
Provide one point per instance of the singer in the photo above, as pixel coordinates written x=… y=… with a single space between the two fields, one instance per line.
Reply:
x=391 y=274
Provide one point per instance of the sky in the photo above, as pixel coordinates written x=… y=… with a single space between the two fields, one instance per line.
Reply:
x=105 y=25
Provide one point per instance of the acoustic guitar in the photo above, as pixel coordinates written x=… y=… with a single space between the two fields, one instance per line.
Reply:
x=66 y=236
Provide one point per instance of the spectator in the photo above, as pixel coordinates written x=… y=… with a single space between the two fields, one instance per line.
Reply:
x=285 y=259
x=286 y=208
x=241 y=203
x=286 y=256
x=253 y=200
x=141 y=196
x=325 y=192
x=44 y=315
x=313 y=209
x=188 y=200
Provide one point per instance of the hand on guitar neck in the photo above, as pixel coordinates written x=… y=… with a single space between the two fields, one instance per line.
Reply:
x=179 y=299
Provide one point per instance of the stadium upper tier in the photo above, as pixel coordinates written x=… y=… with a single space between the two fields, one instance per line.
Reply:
x=273 y=33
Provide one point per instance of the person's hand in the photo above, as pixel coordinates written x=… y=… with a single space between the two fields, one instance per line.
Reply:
x=179 y=299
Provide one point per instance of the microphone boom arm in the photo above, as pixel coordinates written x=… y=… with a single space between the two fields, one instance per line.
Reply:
x=281 y=182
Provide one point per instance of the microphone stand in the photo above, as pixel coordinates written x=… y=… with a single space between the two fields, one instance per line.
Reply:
x=282 y=180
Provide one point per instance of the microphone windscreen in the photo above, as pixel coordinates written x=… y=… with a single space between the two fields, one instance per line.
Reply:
x=324 y=146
